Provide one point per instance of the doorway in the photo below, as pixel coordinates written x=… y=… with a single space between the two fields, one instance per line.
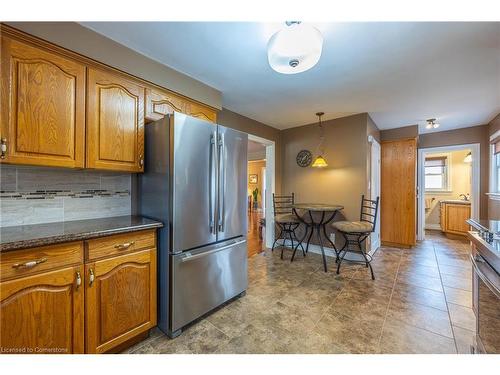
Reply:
x=448 y=185
x=261 y=162
x=374 y=190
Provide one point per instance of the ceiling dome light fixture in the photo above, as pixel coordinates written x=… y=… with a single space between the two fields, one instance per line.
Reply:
x=295 y=48
x=432 y=124
x=320 y=161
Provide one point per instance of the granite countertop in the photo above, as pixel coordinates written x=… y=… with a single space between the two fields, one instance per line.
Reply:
x=23 y=236
x=454 y=201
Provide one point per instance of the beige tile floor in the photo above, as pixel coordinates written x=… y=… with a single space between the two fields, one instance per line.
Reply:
x=420 y=302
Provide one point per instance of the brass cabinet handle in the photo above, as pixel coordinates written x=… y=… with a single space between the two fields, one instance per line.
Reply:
x=78 y=280
x=91 y=277
x=125 y=245
x=141 y=160
x=3 y=148
x=29 y=264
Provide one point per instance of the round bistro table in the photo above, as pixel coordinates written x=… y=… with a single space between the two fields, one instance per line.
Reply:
x=327 y=213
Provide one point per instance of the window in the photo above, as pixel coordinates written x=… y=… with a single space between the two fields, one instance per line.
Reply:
x=436 y=173
x=495 y=169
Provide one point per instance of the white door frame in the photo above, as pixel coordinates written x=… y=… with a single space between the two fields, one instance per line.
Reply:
x=475 y=180
x=375 y=175
x=270 y=186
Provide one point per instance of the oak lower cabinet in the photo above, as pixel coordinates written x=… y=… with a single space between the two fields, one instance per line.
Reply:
x=90 y=296
x=115 y=122
x=42 y=107
x=120 y=299
x=454 y=217
x=43 y=313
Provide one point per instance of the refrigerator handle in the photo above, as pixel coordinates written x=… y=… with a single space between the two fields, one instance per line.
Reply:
x=211 y=184
x=222 y=183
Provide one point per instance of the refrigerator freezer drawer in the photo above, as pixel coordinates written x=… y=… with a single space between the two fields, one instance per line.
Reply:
x=203 y=279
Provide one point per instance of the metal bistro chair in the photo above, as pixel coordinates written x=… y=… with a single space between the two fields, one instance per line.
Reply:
x=356 y=232
x=286 y=220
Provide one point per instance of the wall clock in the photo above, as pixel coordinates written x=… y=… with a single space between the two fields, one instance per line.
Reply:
x=304 y=158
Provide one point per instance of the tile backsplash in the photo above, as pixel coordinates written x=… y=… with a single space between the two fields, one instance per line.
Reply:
x=35 y=195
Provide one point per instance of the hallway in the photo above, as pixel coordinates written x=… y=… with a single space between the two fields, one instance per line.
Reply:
x=254 y=241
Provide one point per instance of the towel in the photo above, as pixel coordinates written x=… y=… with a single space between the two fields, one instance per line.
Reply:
x=428 y=203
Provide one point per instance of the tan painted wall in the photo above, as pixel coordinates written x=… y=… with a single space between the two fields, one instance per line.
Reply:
x=77 y=38
x=236 y=121
x=399 y=133
x=460 y=174
x=344 y=180
x=255 y=167
x=475 y=134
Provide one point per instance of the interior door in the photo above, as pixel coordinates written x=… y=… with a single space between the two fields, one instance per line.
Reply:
x=232 y=151
x=193 y=183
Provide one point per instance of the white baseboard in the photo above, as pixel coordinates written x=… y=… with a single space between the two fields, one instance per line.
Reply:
x=433 y=226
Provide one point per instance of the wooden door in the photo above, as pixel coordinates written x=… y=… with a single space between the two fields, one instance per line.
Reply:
x=43 y=313
x=42 y=108
x=398 y=211
x=120 y=302
x=115 y=122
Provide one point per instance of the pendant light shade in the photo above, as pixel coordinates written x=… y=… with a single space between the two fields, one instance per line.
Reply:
x=294 y=49
x=320 y=161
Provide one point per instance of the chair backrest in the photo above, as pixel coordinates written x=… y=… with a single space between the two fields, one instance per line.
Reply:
x=282 y=204
x=369 y=210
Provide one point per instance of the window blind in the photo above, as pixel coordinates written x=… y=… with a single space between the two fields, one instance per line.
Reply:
x=437 y=161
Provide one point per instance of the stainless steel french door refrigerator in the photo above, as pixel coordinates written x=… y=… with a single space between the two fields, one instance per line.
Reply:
x=195 y=182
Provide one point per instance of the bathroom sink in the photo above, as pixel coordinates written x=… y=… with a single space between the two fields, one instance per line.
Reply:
x=460 y=201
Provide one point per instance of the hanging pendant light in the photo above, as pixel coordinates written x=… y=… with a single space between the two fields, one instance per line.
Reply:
x=320 y=161
x=294 y=49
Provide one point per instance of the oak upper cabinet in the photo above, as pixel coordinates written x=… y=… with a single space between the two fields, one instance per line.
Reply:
x=120 y=299
x=43 y=313
x=115 y=122
x=161 y=102
x=42 y=106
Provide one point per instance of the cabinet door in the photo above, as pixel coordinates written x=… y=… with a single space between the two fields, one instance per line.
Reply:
x=201 y=112
x=120 y=299
x=115 y=122
x=456 y=216
x=43 y=313
x=160 y=103
x=43 y=114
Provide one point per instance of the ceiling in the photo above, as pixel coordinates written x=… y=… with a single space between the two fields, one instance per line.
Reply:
x=256 y=150
x=400 y=73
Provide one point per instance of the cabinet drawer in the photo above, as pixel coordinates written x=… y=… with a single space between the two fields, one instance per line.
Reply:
x=30 y=261
x=119 y=244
